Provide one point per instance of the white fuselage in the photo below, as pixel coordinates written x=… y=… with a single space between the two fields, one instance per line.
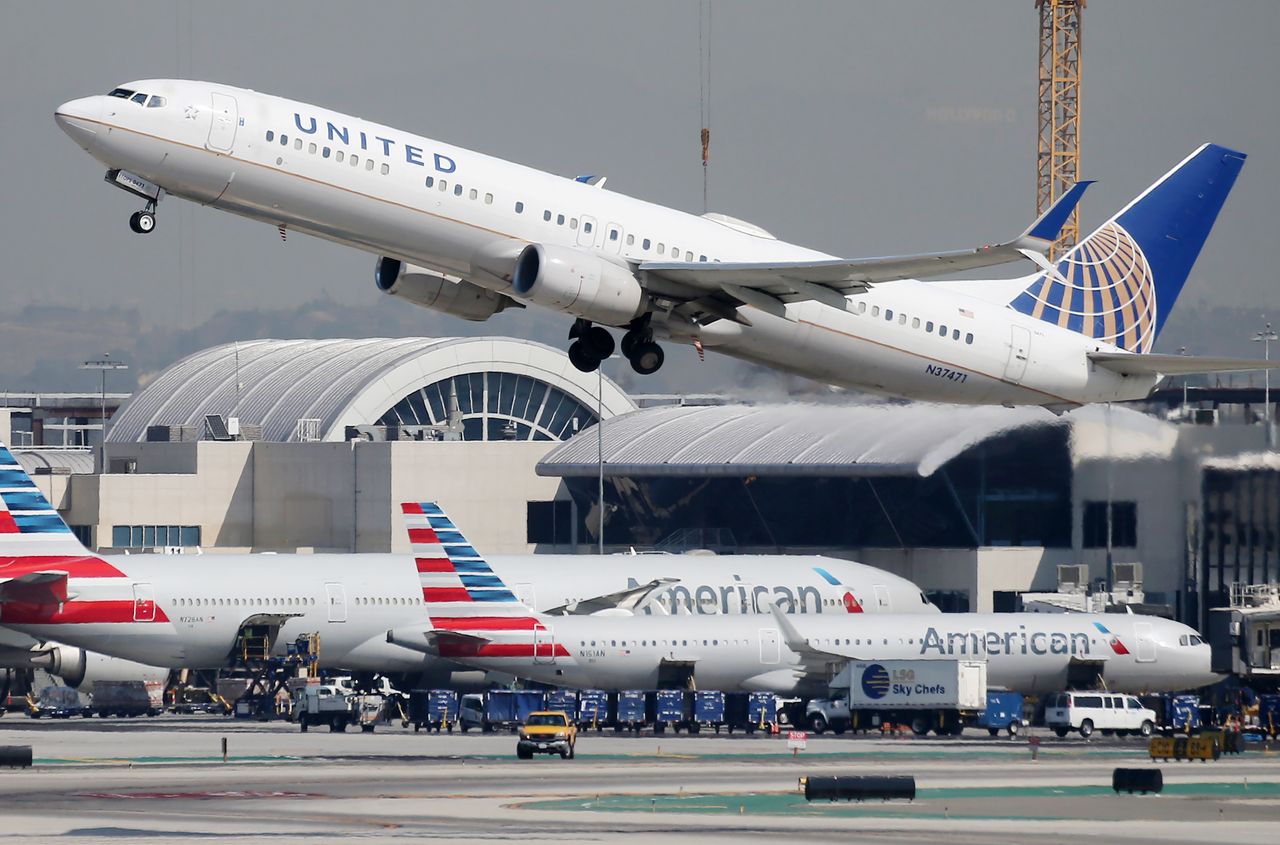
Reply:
x=1027 y=652
x=438 y=206
x=185 y=612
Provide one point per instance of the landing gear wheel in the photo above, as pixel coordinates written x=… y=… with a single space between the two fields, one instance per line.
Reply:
x=598 y=341
x=581 y=358
x=142 y=222
x=646 y=357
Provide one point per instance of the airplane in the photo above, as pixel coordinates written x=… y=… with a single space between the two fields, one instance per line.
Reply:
x=187 y=612
x=471 y=235
x=476 y=621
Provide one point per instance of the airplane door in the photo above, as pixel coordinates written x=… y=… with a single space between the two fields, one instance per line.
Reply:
x=337 y=597
x=544 y=644
x=587 y=231
x=769 y=649
x=1019 y=353
x=222 y=131
x=144 y=603
x=1146 y=645
x=524 y=592
x=883 y=602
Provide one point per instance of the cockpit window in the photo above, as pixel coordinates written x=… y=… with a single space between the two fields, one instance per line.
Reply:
x=1190 y=639
x=139 y=98
x=156 y=102
x=122 y=93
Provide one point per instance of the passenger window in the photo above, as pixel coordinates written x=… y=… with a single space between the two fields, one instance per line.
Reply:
x=386 y=168
x=311 y=148
x=702 y=258
x=661 y=248
x=573 y=222
x=271 y=136
x=586 y=227
x=915 y=322
x=1134 y=704
x=968 y=338
x=431 y=180
x=955 y=334
x=613 y=234
x=559 y=219
x=444 y=186
x=519 y=208
x=355 y=161
x=156 y=102
x=284 y=140
x=688 y=256
x=488 y=199
x=139 y=98
x=297 y=143
x=675 y=253
x=368 y=164
x=942 y=330
x=902 y=319
x=928 y=326
x=888 y=314
x=546 y=215
x=862 y=307
x=457 y=190
x=645 y=244
x=338 y=156
x=324 y=153
x=875 y=310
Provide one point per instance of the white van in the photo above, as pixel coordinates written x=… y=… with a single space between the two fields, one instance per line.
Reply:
x=1104 y=711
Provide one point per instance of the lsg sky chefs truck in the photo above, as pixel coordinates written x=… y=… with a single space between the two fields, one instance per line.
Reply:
x=929 y=695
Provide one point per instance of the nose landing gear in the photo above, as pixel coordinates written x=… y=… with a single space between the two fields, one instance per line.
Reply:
x=144 y=222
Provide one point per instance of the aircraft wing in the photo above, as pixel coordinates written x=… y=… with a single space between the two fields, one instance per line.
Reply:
x=1146 y=364
x=814 y=660
x=435 y=641
x=48 y=587
x=625 y=600
x=830 y=280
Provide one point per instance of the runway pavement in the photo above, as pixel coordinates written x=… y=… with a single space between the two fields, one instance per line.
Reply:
x=165 y=780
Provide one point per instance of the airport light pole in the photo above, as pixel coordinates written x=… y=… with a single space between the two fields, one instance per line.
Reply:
x=1265 y=337
x=102 y=365
x=600 y=451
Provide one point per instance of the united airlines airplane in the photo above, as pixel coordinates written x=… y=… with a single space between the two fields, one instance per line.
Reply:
x=186 y=612
x=476 y=620
x=471 y=235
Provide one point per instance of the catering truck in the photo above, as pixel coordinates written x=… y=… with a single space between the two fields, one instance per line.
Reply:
x=928 y=695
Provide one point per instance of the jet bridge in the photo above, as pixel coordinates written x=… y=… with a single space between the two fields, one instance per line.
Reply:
x=1244 y=638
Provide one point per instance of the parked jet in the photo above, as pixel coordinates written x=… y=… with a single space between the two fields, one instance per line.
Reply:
x=477 y=621
x=470 y=235
x=186 y=612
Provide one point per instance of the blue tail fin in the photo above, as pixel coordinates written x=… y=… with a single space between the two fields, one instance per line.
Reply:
x=1121 y=282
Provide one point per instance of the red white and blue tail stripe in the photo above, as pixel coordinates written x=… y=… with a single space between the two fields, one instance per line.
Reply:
x=463 y=595
x=29 y=526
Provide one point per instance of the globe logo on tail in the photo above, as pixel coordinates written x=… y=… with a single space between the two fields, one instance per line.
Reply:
x=1109 y=292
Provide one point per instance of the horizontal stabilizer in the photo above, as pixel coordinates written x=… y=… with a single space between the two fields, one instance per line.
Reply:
x=432 y=640
x=625 y=600
x=49 y=587
x=1130 y=364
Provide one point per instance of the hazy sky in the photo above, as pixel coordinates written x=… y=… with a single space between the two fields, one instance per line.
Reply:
x=858 y=128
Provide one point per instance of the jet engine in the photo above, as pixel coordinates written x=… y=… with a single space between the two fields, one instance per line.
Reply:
x=577 y=283
x=80 y=668
x=437 y=291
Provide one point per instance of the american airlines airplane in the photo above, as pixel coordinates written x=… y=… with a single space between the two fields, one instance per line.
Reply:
x=186 y=612
x=475 y=620
x=470 y=235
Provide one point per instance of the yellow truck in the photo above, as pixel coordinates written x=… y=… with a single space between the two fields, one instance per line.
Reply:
x=547 y=732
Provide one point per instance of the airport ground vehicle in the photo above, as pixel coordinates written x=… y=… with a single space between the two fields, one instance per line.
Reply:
x=498 y=709
x=929 y=695
x=1175 y=714
x=127 y=698
x=190 y=700
x=1086 y=712
x=1002 y=713
x=547 y=732
x=330 y=704
x=433 y=709
x=58 y=702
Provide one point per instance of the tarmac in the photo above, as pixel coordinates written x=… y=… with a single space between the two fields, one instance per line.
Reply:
x=164 y=779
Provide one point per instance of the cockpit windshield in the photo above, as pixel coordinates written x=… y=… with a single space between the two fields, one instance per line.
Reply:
x=1190 y=639
x=151 y=101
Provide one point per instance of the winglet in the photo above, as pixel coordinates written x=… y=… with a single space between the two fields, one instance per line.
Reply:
x=1048 y=226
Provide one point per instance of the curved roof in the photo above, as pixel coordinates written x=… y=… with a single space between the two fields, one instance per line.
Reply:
x=342 y=382
x=796 y=439
x=74 y=461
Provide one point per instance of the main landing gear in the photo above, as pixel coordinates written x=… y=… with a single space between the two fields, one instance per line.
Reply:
x=144 y=222
x=593 y=344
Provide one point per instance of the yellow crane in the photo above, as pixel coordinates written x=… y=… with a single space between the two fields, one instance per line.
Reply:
x=1058 y=143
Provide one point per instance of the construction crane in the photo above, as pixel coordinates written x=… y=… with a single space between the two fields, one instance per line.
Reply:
x=1058 y=143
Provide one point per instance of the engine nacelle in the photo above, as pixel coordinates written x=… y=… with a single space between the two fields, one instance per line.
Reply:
x=577 y=283
x=80 y=668
x=437 y=291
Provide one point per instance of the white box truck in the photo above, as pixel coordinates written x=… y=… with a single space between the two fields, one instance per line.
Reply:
x=928 y=695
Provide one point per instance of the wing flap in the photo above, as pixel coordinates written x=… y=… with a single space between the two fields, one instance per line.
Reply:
x=41 y=588
x=1146 y=364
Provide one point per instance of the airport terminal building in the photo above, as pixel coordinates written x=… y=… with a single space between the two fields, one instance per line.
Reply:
x=312 y=444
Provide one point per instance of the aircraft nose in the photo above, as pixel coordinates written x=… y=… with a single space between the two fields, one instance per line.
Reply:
x=80 y=119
